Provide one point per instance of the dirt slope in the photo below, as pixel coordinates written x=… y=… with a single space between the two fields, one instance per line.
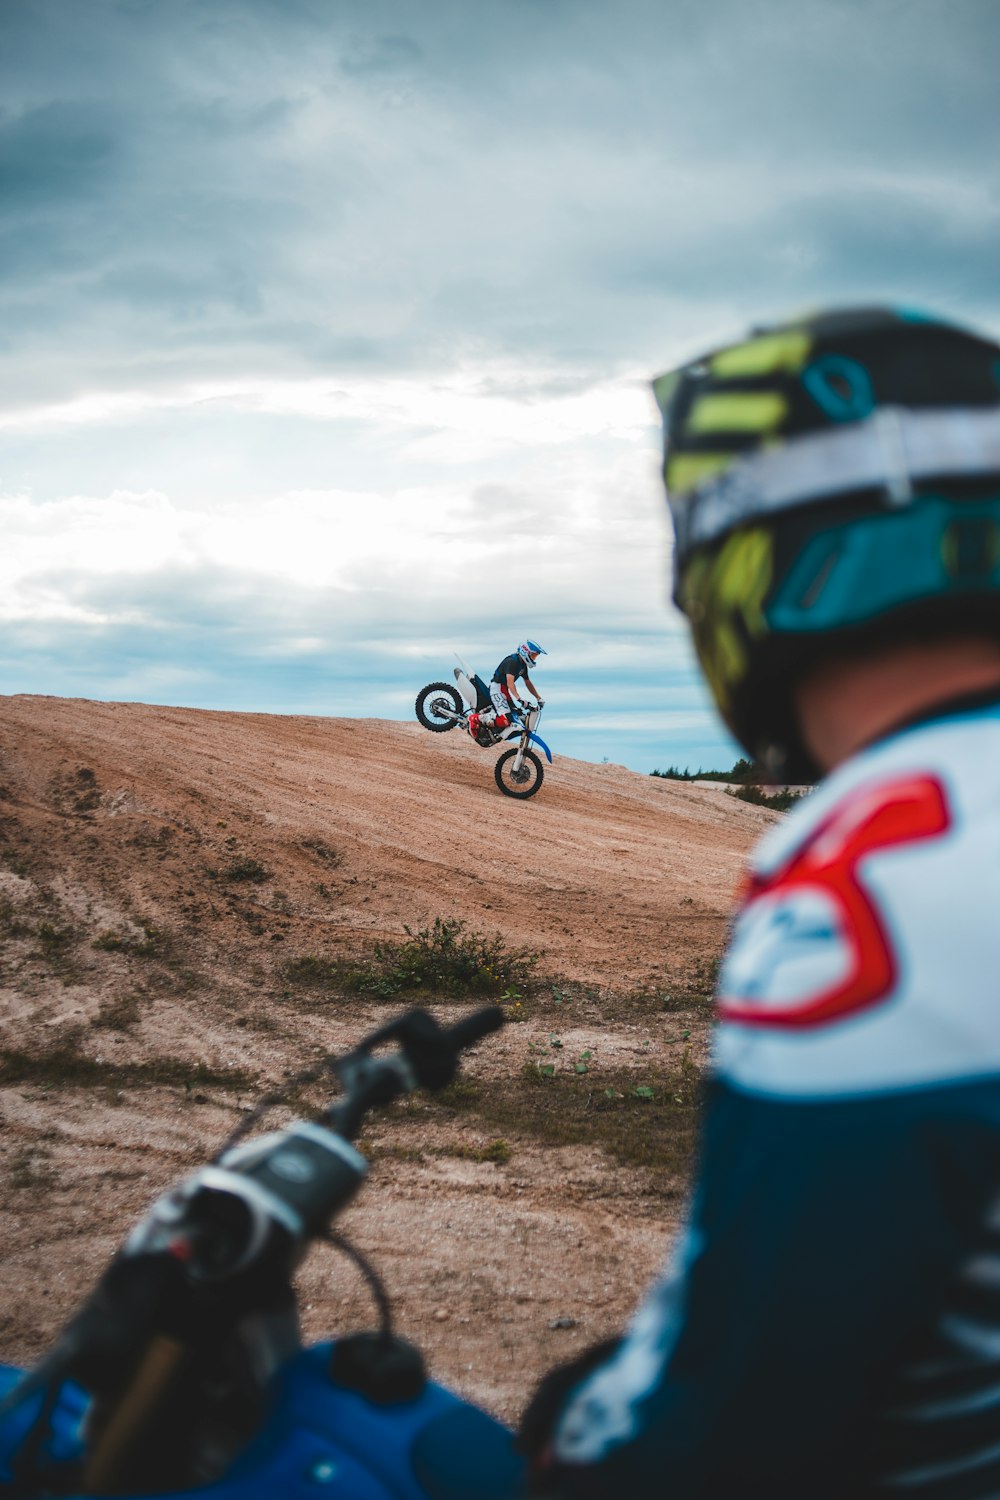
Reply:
x=134 y=941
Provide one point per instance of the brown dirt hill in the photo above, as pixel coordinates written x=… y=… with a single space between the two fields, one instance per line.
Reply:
x=161 y=872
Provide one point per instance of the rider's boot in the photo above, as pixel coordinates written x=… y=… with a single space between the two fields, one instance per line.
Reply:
x=474 y=723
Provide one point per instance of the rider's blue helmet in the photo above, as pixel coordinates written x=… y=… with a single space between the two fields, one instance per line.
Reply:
x=530 y=651
x=834 y=484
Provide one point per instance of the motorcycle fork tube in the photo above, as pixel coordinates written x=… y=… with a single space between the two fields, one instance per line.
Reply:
x=133 y=1414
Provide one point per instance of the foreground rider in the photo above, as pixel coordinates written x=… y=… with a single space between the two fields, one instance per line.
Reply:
x=830 y=1323
x=513 y=669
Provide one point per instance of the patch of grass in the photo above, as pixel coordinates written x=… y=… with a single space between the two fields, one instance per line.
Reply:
x=445 y=960
x=696 y=991
x=88 y=795
x=63 y=1063
x=683 y=1001
x=151 y=945
x=460 y=1094
x=148 y=836
x=245 y=869
x=498 y=1150
x=323 y=852
x=54 y=947
x=55 y=941
x=644 y=1117
x=12 y=924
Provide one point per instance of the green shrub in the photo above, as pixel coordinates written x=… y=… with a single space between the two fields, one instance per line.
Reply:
x=778 y=801
x=444 y=959
x=497 y=1150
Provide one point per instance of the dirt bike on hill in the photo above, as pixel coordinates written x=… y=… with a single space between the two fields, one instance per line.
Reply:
x=184 y=1368
x=440 y=707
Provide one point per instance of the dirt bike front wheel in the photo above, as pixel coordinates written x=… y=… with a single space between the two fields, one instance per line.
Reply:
x=521 y=783
x=437 y=706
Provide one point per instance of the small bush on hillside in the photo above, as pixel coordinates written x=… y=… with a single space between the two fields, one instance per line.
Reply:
x=778 y=801
x=444 y=959
x=12 y=922
x=323 y=851
x=54 y=941
x=88 y=793
x=246 y=869
x=151 y=945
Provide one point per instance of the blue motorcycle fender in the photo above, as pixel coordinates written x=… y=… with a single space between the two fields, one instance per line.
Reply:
x=319 y=1438
x=535 y=740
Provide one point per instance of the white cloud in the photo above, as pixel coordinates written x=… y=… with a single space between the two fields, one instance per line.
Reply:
x=467 y=415
x=329 y=327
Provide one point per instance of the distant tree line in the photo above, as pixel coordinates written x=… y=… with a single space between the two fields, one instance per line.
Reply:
x=743 y=771
x=744 y=780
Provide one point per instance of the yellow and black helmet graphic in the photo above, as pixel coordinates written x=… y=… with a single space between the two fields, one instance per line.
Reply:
x=826 y=476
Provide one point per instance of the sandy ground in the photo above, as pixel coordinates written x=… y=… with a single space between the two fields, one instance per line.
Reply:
x=118 y=824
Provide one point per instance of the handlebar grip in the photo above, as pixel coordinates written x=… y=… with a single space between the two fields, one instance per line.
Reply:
x=472 y=1029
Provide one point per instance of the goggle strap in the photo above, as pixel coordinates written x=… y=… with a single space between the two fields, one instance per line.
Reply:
x=894 y=449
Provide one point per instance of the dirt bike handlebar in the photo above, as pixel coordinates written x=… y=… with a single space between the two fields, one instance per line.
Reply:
x=266 y=1198
x=234 y=1231
x=427 y=1058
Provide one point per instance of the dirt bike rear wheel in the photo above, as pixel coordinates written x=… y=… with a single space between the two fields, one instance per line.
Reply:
x=434 y=705
x=523 y=783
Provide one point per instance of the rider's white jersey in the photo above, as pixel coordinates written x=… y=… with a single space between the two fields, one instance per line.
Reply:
x=830 y=1325
x=875 y=908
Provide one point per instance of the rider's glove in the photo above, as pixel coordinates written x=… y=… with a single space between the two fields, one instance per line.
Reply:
x=543 y=1411
x=540 y=703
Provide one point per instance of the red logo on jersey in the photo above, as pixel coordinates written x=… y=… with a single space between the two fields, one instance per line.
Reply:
x=809 y=944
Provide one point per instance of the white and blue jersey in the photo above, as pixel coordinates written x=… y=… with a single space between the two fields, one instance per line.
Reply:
x=830 y=1323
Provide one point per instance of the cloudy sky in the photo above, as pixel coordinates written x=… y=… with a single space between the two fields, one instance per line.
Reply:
x=326 y=326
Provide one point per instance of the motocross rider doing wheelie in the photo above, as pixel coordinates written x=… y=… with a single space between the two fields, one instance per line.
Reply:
x=829 y=1326
x=503 y=687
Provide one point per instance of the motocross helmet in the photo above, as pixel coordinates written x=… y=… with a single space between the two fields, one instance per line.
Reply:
x=834 y=485
x=530 y=651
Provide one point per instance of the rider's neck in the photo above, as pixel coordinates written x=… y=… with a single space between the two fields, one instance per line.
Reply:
x=846 y=702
